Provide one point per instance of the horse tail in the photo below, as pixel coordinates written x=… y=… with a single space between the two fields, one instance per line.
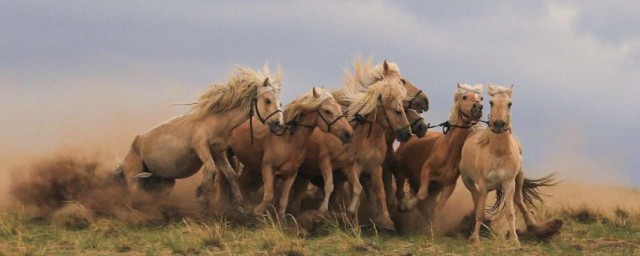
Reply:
x=531 y=193
x=531 y=188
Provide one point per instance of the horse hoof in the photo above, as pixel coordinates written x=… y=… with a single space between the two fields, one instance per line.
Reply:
x=239 y=209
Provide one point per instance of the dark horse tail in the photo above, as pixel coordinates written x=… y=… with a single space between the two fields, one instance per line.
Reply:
x=531 y=193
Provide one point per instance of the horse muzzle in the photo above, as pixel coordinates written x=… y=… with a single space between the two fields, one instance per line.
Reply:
x=346 y=137
x=404 y=134
x=419 y=129
x=476 y=111
x=276 y=127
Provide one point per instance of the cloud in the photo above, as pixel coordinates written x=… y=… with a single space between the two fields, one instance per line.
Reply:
x=574 y=64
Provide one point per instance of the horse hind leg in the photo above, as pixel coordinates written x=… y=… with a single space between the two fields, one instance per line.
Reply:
x=223 y=164
x=541 y=231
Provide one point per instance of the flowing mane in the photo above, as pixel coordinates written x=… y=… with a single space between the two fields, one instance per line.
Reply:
x=457 y=99
x=367 y=101
x=243 y=85
x=305 y=103
x=365 y=74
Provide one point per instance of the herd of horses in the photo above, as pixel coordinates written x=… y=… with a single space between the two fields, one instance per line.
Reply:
x=326 y=138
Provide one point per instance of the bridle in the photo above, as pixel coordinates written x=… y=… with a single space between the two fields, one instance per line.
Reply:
x=413 y=99
x=254 y=104
x=362 y=120
x=294 y=123
x=491 y=126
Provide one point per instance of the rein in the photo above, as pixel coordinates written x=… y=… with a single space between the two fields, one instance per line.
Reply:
x=254 y=104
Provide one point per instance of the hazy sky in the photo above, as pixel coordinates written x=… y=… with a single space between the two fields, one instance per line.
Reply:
x=79 y=70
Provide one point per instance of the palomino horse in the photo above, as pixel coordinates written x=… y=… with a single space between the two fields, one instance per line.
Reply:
x=431 y=163
x=280 y=155
x=374 y=109
x=491 y=160
x=177 y=148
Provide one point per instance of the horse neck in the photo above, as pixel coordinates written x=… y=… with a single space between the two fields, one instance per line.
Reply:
x=361 y=132
x=500 y=144
x=232 y=118
x=455 y=138
x=298 y=139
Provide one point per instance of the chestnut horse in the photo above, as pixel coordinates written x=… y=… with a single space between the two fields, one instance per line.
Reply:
x=280 y=155
x=179 y=147
x=491 y=160
x=431 y=163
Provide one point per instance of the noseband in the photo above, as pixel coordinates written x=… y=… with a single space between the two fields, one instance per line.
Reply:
x=254 y=104
x=414 y=98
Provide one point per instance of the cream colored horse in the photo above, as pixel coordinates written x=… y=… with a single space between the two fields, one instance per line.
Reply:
x=179 y=147
x=491 y=160
x=280 y=155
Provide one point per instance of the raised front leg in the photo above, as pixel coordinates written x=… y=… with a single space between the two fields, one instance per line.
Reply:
x=423 y=191
x=209 y=169
x=222 y=162
x=376 y=176
x=327 y=175
x=267 y=197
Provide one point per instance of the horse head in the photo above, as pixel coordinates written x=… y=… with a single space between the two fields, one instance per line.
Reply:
x=500 y=113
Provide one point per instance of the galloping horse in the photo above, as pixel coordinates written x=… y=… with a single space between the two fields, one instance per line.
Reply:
x=373 y=109
x=281 y=154
x=431 y=163
x=492 y=160
x=179 y=147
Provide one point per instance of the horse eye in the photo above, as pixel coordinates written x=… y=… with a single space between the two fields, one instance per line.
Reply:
x=491 y=103
x=280 y=104
x=398 y=112
x=327 y=112
x=481 y=98
x=267 y=101
x=403 y=81
x=509 y=104
x=464 y=97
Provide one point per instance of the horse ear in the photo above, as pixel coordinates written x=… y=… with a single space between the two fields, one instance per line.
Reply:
x=385 y=67
x=315 y=93
x=266 y=82
x=490 y=88
x=459 y=85
x=510 y=91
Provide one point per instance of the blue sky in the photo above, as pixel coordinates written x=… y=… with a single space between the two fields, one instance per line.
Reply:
x=72 y=71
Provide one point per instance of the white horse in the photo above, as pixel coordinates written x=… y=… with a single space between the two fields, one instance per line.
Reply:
x=179 y=147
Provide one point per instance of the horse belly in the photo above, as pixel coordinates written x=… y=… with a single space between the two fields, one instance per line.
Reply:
x=172 y=162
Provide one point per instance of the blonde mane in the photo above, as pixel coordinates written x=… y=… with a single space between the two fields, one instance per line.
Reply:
x=305 y=103
x=243 y=85
x=457 y=99
x=367 y=101
x=365 y=74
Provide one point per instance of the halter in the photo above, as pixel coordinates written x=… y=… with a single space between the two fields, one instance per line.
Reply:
x=362 y=119
x=414 y=98
x=415 y=122
x=254 y=104
x=294 y=123
x=491 y=127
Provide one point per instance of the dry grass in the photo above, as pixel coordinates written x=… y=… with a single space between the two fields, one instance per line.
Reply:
x=587 y=230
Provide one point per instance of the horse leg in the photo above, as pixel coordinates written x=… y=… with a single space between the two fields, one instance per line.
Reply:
x=353 y=177
x=423 y=191
x=376 y=178
x=267 y=197
x=427 y=210
x=209 y=169
x=519 y=201
x=132 y=166
x=400 y=180
x=299 y=188
x=327 y=175
x=220 y=158
x=284 y=196
x=508 y=188
x=444 y=197
x=480 y=203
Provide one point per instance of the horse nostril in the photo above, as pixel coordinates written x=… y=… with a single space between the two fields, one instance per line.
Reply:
x=499 y=124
